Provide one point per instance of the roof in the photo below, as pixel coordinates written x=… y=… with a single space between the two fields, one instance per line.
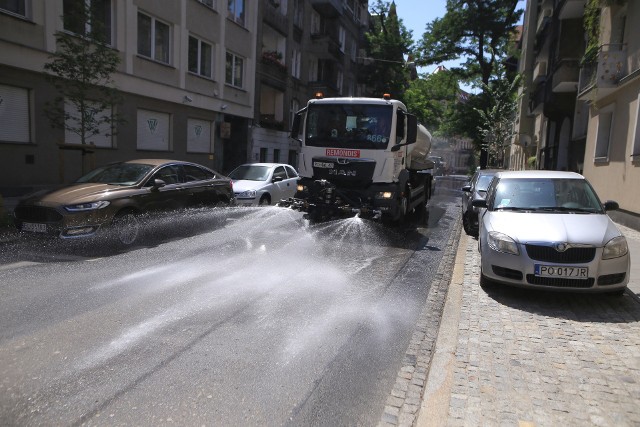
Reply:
x=539 y=174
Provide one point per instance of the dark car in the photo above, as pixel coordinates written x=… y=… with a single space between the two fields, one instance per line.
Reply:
x=475 y=189
x=116 y=194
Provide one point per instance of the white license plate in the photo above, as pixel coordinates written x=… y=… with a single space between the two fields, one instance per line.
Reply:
x=34 y=227
x=561 y=271
x=323 y=165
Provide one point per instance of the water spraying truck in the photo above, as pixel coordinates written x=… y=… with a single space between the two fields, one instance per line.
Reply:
x=361 y=156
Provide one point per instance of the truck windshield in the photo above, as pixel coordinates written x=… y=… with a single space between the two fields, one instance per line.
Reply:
x=349 y=125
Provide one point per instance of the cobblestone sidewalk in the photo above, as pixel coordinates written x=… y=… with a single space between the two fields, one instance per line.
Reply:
x=544 y=359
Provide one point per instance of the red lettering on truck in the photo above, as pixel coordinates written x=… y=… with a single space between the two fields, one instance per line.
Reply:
x=341 y=152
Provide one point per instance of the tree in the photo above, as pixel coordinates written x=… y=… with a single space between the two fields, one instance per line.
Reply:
x=81 y=70
x=476 y=30
x=432 y=98
x=387 y=43
x=496 y=121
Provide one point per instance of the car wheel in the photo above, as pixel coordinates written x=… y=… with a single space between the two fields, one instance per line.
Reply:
x=265 y=200
x=466 y=223
x=127 y=227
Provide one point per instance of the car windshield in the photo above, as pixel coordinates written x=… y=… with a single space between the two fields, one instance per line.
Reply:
x=250 y=173
x=349 y=125
x=117 y=174
x=546 y=194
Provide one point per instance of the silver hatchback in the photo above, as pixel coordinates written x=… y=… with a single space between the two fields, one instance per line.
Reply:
x=549 y=230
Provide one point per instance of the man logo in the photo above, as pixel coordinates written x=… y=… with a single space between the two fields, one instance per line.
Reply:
x=153 y=124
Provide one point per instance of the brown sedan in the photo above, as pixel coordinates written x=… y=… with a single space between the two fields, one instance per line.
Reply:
x=116 y=194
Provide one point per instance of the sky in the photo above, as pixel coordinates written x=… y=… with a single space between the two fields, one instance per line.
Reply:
x=415 y=15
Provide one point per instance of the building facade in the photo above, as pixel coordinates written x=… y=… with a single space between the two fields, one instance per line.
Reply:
x=305 y=47
x=579 y=109
x=185 y=75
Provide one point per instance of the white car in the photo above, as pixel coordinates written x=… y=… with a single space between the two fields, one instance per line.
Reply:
x=549 y=230
x=256 y=184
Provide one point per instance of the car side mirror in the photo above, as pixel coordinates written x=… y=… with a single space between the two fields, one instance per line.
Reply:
x=466 y=188
x=480 y=203
x=276 y=179
x=610 y=205
x=158 y=183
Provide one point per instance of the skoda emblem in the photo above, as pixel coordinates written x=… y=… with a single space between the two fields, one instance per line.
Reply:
x=561 y=247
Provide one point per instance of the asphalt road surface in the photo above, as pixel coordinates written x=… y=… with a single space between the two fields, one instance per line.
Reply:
x=225 y=316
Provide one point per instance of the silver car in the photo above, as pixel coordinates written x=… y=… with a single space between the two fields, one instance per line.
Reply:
x=258 y=184
x=549 y=230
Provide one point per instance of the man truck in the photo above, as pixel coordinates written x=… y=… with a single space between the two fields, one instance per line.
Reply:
x=361 y=156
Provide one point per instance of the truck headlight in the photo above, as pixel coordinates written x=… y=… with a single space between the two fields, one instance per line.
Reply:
x=91 y=206
x=615 y=248
x=502 y=243
x=384 y=195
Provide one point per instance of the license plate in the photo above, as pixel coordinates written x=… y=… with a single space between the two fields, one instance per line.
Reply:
x=561 y=271
x=34 y=227
x=323 y=165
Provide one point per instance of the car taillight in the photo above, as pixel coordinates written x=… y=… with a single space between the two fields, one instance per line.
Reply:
x=231 y=185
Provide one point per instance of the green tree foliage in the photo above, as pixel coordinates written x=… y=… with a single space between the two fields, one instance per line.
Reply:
x=81 y=70
x=432 y=99
x=478 y=31
x=387 y=43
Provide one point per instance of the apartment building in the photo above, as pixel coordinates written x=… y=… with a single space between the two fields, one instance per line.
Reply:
x=185 y=74
x=580 y=110
x=610 y=87
x=305 y=46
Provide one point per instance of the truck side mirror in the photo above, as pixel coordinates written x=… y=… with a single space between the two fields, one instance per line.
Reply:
x=412 y=128
x=295 y=126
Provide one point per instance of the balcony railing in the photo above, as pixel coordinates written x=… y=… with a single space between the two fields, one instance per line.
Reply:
x=603 y=72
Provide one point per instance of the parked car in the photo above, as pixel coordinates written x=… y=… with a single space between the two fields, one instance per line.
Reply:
x=549 y=230
x=257 y=184
x=116 y=194
x=475 y=189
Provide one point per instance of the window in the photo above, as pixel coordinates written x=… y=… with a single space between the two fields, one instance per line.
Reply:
x=14 y=114
x=88 y=17
x=315 y=22
x=199 y=136
x=236 y=11
x=295 y=106
x=200 y=57
x=195 y=173
x=153 y=38
x=313 y=70
x=263 y=155
x=342 y=38
x=153 y=130
x=19 y=7
x=234 y=70
x=636 y=134
x=296 y=59
x=603 y=135
x=276 y=159
x=298 y=13
x=102 y=123
x=339 y=81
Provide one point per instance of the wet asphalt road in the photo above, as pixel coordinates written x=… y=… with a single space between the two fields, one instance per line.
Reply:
x=259 y=318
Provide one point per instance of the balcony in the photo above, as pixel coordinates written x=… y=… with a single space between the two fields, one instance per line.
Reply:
x=328 y=8
x=572 y=9
x=539 y=71
x=565 y=76
x=602 y=73
x=274 y=17
x=325 y=47
x=537 y=98
x=272 y=69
